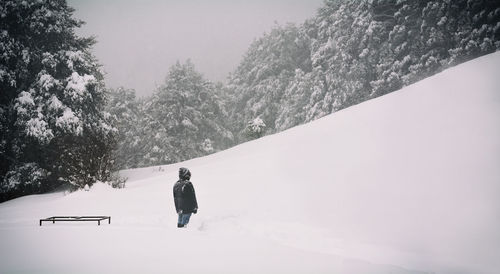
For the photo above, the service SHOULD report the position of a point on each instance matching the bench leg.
(99, 222)
(109, 220)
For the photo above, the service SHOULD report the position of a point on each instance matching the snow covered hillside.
(406, 183)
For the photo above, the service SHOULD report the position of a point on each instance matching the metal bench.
(97, 219)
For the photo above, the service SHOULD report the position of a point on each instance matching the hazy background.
(137, 41)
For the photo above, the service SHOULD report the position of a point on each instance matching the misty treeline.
(60, 126)
(350, 52)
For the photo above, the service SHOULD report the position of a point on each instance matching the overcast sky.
(137, 41)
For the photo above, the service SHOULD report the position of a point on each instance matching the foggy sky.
(137, 41)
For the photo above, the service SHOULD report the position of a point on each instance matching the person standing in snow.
(184, 197)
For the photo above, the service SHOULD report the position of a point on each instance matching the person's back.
(184, 197)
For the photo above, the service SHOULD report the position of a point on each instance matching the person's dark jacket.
(185, 197)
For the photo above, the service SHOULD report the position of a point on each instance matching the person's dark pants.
(183, 219)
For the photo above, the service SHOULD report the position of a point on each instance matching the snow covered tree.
(477, 31)
(125, 110)
(296, 97)
(54, 129)
(151, 137)
(185, 118)
(258, 84)
(341, 56)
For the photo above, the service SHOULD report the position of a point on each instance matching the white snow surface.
(405, 183)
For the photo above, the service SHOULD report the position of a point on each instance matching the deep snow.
(405, 183)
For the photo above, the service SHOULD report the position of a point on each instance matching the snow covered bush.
(24, 179)
(255, 128)
(207, 146)
(116, 181)
(51, 103)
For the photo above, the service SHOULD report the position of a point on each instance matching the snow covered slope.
(406, 183)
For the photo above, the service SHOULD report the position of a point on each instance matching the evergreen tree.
(340, 56)
(183, 119)
(477, 31)
(54, 128)
(259, 83)
(189, 110)
(125, 110)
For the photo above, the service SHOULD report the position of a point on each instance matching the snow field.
(405, 183)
